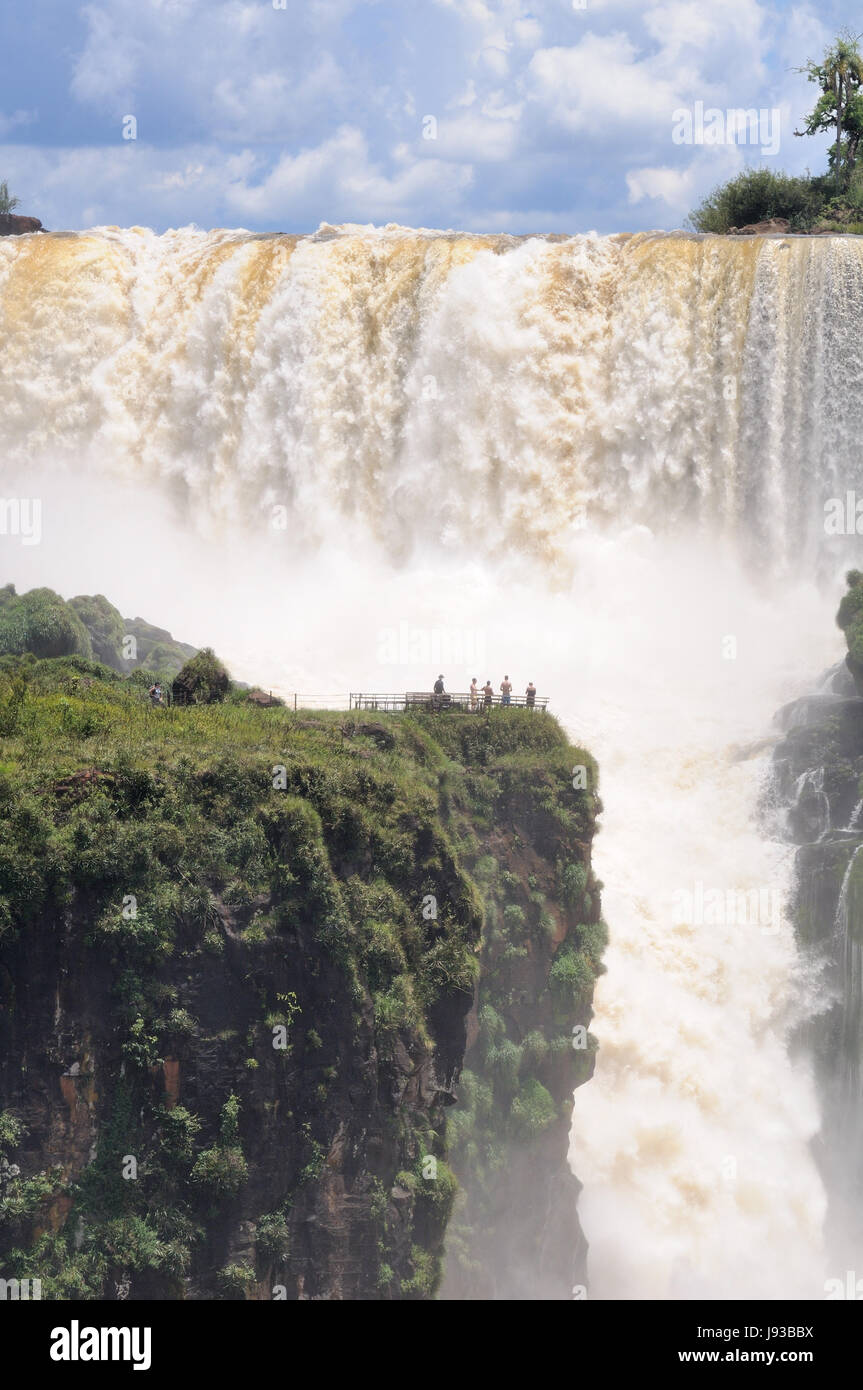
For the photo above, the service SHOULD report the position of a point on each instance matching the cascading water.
(600, 463)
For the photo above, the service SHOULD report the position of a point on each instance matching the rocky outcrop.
(773, 226)
(818, 791)
(240, 961)
(13, 225)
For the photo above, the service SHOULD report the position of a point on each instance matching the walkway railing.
(425, 700)
(398, 702)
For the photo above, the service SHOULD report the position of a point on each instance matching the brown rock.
(774, 225)
(12, 225)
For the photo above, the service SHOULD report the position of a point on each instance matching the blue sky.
(545, 115)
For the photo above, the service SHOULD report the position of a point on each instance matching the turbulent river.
(355, 459)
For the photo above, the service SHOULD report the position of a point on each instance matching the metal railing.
(427, 700)
(399, 702)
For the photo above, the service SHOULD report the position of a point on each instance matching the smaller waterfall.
(811, 802)
(854, 822)
(848, 958)
(819, 766)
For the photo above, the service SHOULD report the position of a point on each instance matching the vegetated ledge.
(240, 952)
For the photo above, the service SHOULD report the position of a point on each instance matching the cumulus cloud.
(602, 81)
(286, 118)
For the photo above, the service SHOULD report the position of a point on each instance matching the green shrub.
(105, 627)
(514, 920)
(236, 1280)
(273, 1238)
(12, 707)
(220, 1170)
(179, 1129)
(573, 881)
(203, 680)
(41, 622)
(571, 976)
(850, 620)
(230, 1120)
(12, 1132)
(755, 196)
(532, 1110)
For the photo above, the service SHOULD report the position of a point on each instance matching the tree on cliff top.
(202, 681)
(7, 202)
(840, 106)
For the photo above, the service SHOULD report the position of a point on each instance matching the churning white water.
(349, 461)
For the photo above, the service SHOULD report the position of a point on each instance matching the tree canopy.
(840, 106)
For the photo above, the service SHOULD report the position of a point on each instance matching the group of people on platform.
(482, 696)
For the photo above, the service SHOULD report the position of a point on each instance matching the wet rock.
(13, 225)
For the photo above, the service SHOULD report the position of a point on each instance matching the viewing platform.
(438, 704)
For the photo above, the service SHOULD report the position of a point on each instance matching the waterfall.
(601, 463)
(848, 956)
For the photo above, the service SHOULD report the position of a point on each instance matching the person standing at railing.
(530, 695)
(487, 694)
(474, 695)
(505, 690)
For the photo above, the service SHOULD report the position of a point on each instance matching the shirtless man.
(505, 690)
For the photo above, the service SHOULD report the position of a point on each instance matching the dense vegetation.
(42, 623)
(850, 620)
(181, 887)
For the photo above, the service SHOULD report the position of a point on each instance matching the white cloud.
(15, 120)
(355, 186)
(676, 191)
(312, 113)
(601, 82)
(672, 186)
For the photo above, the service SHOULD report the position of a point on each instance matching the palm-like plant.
(7, 202)
(840, 76)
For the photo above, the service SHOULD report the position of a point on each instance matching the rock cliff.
(242, 952)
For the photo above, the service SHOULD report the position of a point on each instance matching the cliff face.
(240, 953)
(515, 1233)
(819, 783)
